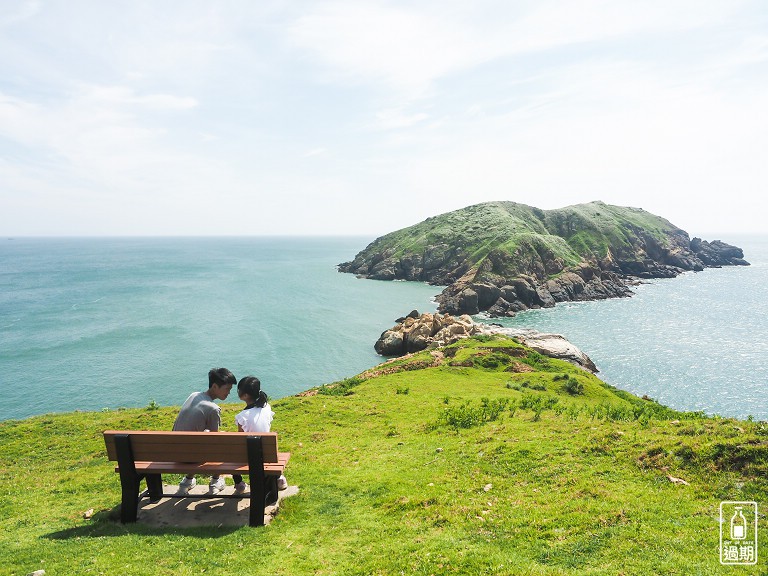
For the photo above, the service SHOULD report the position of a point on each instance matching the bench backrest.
(151, 446)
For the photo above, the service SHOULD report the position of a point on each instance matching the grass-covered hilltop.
(503, 257)
(482, 457)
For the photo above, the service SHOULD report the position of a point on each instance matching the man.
(201, 414)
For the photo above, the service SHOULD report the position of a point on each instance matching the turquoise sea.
(695, 342)
(103, 323)
(94, 323)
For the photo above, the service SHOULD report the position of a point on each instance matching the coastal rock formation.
(552, 345)
(717, 253)
(418, 332)
(504, 257)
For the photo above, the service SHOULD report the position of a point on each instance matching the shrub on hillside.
(467, 415)
(343, 388)
(491, 361)
(573, 386)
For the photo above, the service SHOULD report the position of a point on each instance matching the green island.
(482, 457)
(504, 257)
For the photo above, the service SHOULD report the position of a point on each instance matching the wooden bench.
(148, 455)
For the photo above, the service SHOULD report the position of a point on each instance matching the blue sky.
(356, 117)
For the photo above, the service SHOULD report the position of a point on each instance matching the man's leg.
(187, 484)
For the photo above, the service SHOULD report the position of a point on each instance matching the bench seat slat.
(271, 469)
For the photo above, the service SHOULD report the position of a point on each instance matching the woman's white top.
(255, 419)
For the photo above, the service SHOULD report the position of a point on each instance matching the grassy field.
(486, 458)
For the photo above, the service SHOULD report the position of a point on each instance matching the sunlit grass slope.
(580, 233)
(482, 458)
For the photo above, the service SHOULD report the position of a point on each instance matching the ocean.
(695, 342)
(103, 323)
(87, 324)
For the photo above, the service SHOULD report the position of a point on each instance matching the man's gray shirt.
(198, 414)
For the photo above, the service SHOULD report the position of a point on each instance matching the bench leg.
(155, 487)
(256, 514)
(129, 508)
(129, 479)
(256, 476)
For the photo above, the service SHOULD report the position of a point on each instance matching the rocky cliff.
(504, 257)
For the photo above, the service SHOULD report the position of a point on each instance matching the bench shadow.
(203, 517)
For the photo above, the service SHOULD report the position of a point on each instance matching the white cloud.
(392, 118)
(125, 96)
(97, 128)
(410, 47)
(315, 152)
(13, 13)
(682, 146)
(379, 43)
(360, 117)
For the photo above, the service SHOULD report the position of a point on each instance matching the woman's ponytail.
(252, 386)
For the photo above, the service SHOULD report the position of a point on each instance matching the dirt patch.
(519, 367)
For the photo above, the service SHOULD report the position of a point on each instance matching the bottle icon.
(738, 525)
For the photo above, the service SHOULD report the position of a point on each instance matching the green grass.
(471, 466)
(595, 228)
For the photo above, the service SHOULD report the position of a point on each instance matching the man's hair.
(220, 376)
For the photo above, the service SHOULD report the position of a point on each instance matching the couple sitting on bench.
(196, 446)
(201, 414)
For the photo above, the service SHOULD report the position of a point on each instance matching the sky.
(235, 117)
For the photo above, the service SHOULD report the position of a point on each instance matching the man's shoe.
(186, 485)
(216, 485)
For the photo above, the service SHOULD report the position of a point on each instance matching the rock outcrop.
(421, 331)
(717, 253)
(417, 332)
(552, 345)
(504, 257)
(585, 282)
